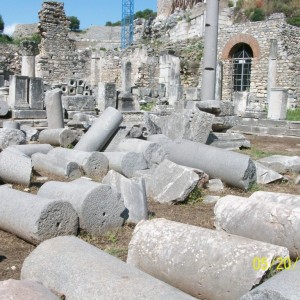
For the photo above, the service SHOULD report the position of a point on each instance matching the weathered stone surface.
(192, 125)
(74, 275)
(218, 108)
(211, 199)
(107, 96)
(78, 102)
(54, 109)
(99, 206)
(10, 137)
(126, 163)
(56, 167)
(153, 152)
(101, 131)
(172, 183)
(11, 125)
(189, 257)
(228, 140)
(36, 93)
(221, 124)
(93, 164)
(15, 167)
(24, 290)
(265, 175)
(34, 218)
(283, 286)
(215, 185)
(133, 192)
(282, 164)
(260, 221)
(31, 133)
(28, 114)
(3, 108)
(63, 137)
(29, 150)
(287, 199)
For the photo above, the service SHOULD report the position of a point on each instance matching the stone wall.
(58, 60)
(10, 59)
(164, 8)
(258, 36)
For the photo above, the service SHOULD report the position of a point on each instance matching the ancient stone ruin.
(93, 136)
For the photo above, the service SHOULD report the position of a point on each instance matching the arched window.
(242, 55)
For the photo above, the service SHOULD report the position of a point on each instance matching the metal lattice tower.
(127, 23)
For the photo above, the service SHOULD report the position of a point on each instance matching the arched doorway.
(241, 55)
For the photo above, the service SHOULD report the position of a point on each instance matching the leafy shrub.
(295, 21)
(257, 15)
(74, 23)
(230, 3)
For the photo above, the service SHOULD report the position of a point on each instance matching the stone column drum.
(54, 109)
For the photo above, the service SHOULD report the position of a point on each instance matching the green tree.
(74, 23)
(1, 24)
(145, 14)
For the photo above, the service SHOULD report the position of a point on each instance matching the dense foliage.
(74, 23)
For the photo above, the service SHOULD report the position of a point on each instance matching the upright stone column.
(210, 50)
(219, 77)
(95, 73)
(29, 51)
(126, 76)
(107, 96)
(272, 73)
(278, 104)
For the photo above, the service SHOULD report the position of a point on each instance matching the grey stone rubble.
(31, 133)
(99, 206)
(101, 131)
(55, 167)
(93, 164)
(25, 290)
(126, 163)
(69, 272)
(58, 137)
(15, 167)
(215, 185)
(211, 199)
(232, 168)
(282, 286)
(260, 221)
(228, 140)
(10, 137)
(54, 109)
(11, 125)
(153, 152)
(193, 256)
(282, 164)
(133, 192)
(35, 218)
(31, 149)
(3, 108)
(266, 175)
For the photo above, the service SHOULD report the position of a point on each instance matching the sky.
(89, 12)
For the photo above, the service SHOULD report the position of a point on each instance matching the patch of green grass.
(254, 187)
(293, 114)
(195, 196)
(147, 106)
(111, 237)
(255, 153)
(117, 252)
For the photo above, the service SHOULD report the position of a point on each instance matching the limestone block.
(133, 192)
(107, 96)
(93, 164)
(266, 221)
(211, 199)
(34, 218)
(221, 124)
(29, 150)
(266, 175)
(218, 108)
(215, 185)
(78, 102)
(54, 109)
(18, 92)
(101, 131)
(282, 286)
(153, 152)
(56, 167)
(24, 290)
(31, 133)
(63, 137)
(74, 275)
(36, 93)
(287, 199)
(3, 108)
(126, 163)
(228, 140)
(28, 114)
(189, 257)
(172, 183)
(11, 125)
(10, 137)
(15, 167)
(99, 206)
(282, 164)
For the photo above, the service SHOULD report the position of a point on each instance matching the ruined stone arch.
(241, 39)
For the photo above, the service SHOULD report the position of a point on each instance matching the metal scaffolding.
(127, 23)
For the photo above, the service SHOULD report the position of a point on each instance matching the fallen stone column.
(126, 163)
(74, 266)
(233, 168)
(93, 164)
(58, 137)
(34, 218)
(204, 263)
(101, 131)
(133, 192)
(11, 125)
(25, 290)
(265, 221)
(99, 207)
(153, 152)
(47, 165)
(15, 167)
(54, 109)
(284, 285)
(287, 199)
(10, 137)
(31, 149)
(4, 108)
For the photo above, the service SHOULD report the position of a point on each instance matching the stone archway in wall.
(227, 57)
